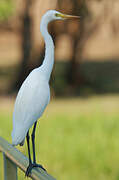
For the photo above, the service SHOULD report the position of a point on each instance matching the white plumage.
(34, 94)
(33, 97)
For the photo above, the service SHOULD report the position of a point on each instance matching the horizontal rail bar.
(21, 161)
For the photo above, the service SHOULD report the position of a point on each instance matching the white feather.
(31, 101)
(34, 94)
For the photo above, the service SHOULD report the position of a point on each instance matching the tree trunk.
(26, 46)
(74, 76)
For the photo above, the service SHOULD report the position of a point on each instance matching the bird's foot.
(31, 166)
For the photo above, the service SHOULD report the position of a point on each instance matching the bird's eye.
(57, 15)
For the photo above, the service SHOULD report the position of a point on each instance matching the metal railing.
(13, 159)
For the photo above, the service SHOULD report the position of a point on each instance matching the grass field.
(76, 139)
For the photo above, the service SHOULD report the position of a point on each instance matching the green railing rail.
(13, 159)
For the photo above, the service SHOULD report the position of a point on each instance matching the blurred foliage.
(71, 76)
(6, 9)
(99, 78)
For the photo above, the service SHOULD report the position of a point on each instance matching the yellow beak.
(65, 16)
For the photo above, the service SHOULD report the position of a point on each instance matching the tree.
(26, 35)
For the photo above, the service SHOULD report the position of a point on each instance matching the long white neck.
(48, 62)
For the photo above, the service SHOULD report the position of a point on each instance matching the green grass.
(76, 138)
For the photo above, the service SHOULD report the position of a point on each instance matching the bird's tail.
(17, 139)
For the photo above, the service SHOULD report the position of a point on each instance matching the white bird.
(34, 94)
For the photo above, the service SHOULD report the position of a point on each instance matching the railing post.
(13, 158)
(10, 169)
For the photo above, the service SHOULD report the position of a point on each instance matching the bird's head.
(55, 15)
(52, 15)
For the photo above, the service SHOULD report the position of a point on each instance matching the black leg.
(30, 161)
(33, 142)
(28, 144)
(34, 164)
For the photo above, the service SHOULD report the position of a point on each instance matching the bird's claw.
(31, 166)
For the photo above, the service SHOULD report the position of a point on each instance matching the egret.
(34, 94)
